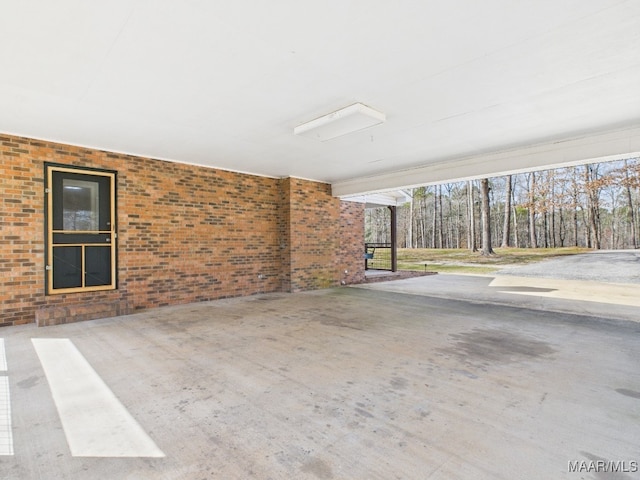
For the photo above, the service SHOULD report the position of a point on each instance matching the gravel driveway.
(613, 266)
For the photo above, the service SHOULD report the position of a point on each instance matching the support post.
(394, 241)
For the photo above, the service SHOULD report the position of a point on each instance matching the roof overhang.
(599, 147)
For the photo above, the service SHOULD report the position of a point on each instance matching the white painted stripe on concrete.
(6, 435)
(3, 357)
(95, 423)
(6, 432)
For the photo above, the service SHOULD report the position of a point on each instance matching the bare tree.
(575, 205)
(410, 242)
(471, 217)
(451, 221)
(592, 187)
(552, 202)
(435, 217)
(486, 217)
(506, 230)
(440, 218)
(632, 214)
(533, 239)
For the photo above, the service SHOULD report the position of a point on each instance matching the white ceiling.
(223, 83)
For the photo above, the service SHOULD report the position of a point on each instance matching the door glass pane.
(67, 262)
(80, 204)
(98, 266)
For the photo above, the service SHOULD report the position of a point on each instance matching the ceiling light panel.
(341, 122)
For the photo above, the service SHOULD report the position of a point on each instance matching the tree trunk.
(516, 240)
(450, 219)
(425, 227)
(533, 239)
(589, 230)
(506, 231)
(486, 218)
(575, 208)
(593, 207)
(472, 218)
(434, 224)
(561, 232)
(632, 215)
(440, 219)
(410, 232)
(457, 223)
(553, 210)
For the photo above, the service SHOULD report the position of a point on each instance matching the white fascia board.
(381, 199)
(597, 147)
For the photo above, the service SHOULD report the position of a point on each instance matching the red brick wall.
(193, 234)
(323, 237)
(285, 234)
(21, 233)
(185, 234)
(313, 228)
(350, 256)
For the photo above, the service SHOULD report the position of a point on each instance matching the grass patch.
(465, 261)
(442, 268)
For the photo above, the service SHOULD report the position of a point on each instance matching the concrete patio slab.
(345, 383)
(597, 299)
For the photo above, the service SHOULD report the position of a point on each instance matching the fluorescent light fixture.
(346, 120)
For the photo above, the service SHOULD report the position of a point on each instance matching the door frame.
(81, 239)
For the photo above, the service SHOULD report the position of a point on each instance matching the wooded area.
(593, 206)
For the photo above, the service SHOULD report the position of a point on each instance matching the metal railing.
(377, 256)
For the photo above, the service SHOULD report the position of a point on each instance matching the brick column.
(309, 236)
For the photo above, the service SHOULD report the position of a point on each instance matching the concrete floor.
(346, 383)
